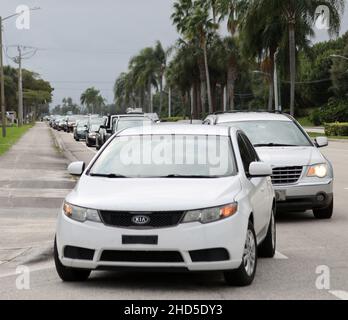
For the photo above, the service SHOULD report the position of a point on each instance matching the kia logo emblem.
(140, 220)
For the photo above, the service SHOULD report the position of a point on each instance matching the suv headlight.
(318, 170)
(80, 214)
(211, 214)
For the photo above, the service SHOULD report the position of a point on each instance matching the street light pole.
(338, 56)
(276, 87)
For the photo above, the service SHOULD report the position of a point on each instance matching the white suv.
(182, 197)
(302, 176)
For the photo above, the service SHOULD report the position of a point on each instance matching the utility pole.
(20, 88)
(23, 53)
(2, 100)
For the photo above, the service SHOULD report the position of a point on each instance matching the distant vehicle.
(302, 177)
(92, 129)
(80, 129)
(178, 213)
(119, 122)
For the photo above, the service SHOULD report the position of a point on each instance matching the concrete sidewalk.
(33, 184)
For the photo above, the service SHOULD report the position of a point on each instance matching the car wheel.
(69, 274)
(77, 139)
(267, 248)
(245, 274)
(87, 143)
(325, 213)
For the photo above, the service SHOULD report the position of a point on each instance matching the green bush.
(336, 129)
(172, 119)
(335, 111)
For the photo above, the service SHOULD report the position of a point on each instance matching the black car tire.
(240, 277)
(69, 274)
(324, 213)
(267, 248)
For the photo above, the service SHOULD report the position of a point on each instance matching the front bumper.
(305, 196)
(228, 235)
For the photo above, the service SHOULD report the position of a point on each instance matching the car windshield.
(272, 133)
(124, 123)
(166, 156)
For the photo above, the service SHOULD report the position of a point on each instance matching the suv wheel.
(325, 213)
(245, 274)
(69, 274)
(267, 248)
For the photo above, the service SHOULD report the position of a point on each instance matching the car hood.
(153, 194)
(290, 156)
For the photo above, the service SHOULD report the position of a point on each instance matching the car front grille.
(141, 256)
(286, 175)
(124, 219)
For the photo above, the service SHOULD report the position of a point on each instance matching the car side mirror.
(321, 142)
(76, 168)
(259, 170)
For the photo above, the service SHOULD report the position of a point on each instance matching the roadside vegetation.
(13, 135)
(205, 62)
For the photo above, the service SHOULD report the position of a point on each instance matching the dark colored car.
(119, 122)
(80, 130)
(92, 130)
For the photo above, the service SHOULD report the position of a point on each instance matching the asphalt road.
(34, 181)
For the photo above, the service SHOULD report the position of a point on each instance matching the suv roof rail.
(247, 111)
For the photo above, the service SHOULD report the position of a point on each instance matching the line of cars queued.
(95, 130)
(189, 197)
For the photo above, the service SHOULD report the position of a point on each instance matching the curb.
(61, 146)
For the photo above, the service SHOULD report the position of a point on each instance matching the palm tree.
(300, 12)
(92, 99)
(192, 19)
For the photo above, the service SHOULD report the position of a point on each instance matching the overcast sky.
(86, 43)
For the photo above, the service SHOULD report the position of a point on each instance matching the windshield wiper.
(110, 175)
(180, 176)
(274, 145)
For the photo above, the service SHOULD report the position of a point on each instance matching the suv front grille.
(286, 175)
(125, 219)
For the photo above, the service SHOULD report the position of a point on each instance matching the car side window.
(251, 149)
(245, 154)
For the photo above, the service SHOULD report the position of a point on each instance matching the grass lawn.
(315, 135)
(12, 136)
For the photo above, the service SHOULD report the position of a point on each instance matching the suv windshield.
(272, 133)
(170, 156)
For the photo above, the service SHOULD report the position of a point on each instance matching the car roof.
(252, 116)
(179, 129)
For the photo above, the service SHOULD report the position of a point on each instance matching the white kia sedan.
(177, 197)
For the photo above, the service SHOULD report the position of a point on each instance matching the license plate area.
(153, 240)
(280, 195)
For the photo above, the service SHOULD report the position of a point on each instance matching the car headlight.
(211, 214)
(318, 170)
(80, 214)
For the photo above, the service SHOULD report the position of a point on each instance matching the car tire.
(87, 143)
(69, 274)
(267, 248)
(324, 213)
(77, 139)
(245, 274)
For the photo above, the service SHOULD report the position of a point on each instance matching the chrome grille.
(286, 175)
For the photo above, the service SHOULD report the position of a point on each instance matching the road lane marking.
(340, 294)
(280, 256)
